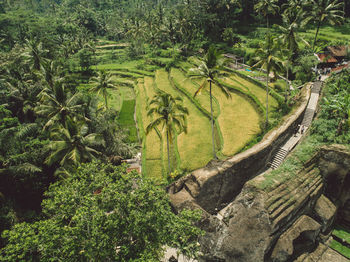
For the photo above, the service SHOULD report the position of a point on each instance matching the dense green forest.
(61, 144)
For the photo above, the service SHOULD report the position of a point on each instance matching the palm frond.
(27, 130)
(26, 168)
(223, 89)
(202, 86)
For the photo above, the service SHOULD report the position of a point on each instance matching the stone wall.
(214, 186)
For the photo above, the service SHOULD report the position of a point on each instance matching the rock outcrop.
(279, 217)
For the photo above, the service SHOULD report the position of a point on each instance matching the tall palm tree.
(286, 57)
(267, 7)
(266, 57)
(72, 144)
(209, 70)
(50, 72)
(56, 105)
(292, 22)
(294, 6)
(102, 83)
(169, 113)
(326, 11)
(35, 53)
(289, 30)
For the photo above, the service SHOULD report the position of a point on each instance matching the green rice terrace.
(238, 119)
(341, 241)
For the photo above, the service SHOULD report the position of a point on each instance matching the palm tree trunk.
(105, 97)
(267, 99)
(167, 147)
(287, 81)
(317, 30)
(212, 120)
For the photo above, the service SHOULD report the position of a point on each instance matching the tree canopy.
(102, 213)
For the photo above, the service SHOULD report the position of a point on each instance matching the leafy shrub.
(135, 49)
(255, 43)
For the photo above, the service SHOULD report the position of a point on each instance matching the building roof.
(341, 67)
(325, 58)
(338, 50)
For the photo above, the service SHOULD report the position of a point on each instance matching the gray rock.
(325, 211)
(305, 229)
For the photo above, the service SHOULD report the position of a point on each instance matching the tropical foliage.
(209, 72)
(103, 213)
(267, 59)
(169, 113)
(326, 11)
(333, 125)
(102, 83)
(51, 124)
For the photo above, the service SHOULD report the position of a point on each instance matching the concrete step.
(278, 158)
(316, 88)
(308, 116)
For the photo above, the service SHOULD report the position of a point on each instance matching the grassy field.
(191, 86)
(237, 120)
(255, 90)
(152, 143)
(126, 119)
(345, 251)
(116, 66)
(344, 235)
(329, 33)
(198, 130)
(236, 133)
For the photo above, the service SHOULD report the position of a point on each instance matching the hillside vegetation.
(87, 85)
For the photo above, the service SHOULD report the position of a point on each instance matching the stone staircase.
(305, 124)
(279, 157)
(308, 116)
(316, 88)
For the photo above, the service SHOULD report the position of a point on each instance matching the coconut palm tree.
(209, 70)
(266, 57)
(289, 30)
(169, 113)
(326, 11)
(50, 72)
(267, 7)
(102, 83)
(72, 144)
(289, 37)
(56, 105)
(294, 6)
(35, 53)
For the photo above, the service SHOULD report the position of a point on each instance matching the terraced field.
(237, 119)
(341, 241)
